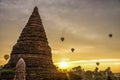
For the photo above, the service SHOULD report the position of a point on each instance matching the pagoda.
(33, 47)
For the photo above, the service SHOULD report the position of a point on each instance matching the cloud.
(82, 22)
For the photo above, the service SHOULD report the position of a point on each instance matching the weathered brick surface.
(33, 47)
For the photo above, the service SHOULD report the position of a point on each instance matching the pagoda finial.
(35, 8)
(35, 17)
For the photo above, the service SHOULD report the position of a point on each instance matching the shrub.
(7, 74)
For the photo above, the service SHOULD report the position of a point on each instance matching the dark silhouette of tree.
(109, 78)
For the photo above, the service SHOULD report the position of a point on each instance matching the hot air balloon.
(62, 39)
(110, 35)
(97, 63)
(6, 57)
(72, 49)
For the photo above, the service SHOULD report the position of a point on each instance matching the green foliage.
(74, 76)
(1, 66)
(7, 73)
(99, 78)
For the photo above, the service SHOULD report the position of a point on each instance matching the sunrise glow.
(63, 65)
(91, 64)
(84, 24)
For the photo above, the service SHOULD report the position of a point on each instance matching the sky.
(85, 25)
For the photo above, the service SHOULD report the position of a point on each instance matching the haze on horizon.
(85, 24)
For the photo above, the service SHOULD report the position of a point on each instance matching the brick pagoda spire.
(33, 47)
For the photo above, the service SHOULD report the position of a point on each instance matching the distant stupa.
(20, 71)
(33, 47)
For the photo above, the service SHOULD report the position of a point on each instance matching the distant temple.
(20, 71)
(33, 47)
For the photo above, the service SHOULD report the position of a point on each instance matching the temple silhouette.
(32, 46)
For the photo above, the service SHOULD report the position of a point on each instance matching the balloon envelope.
(72, 49)
(97, 63)
(6, 57)
(62, 39)
(110, 35)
